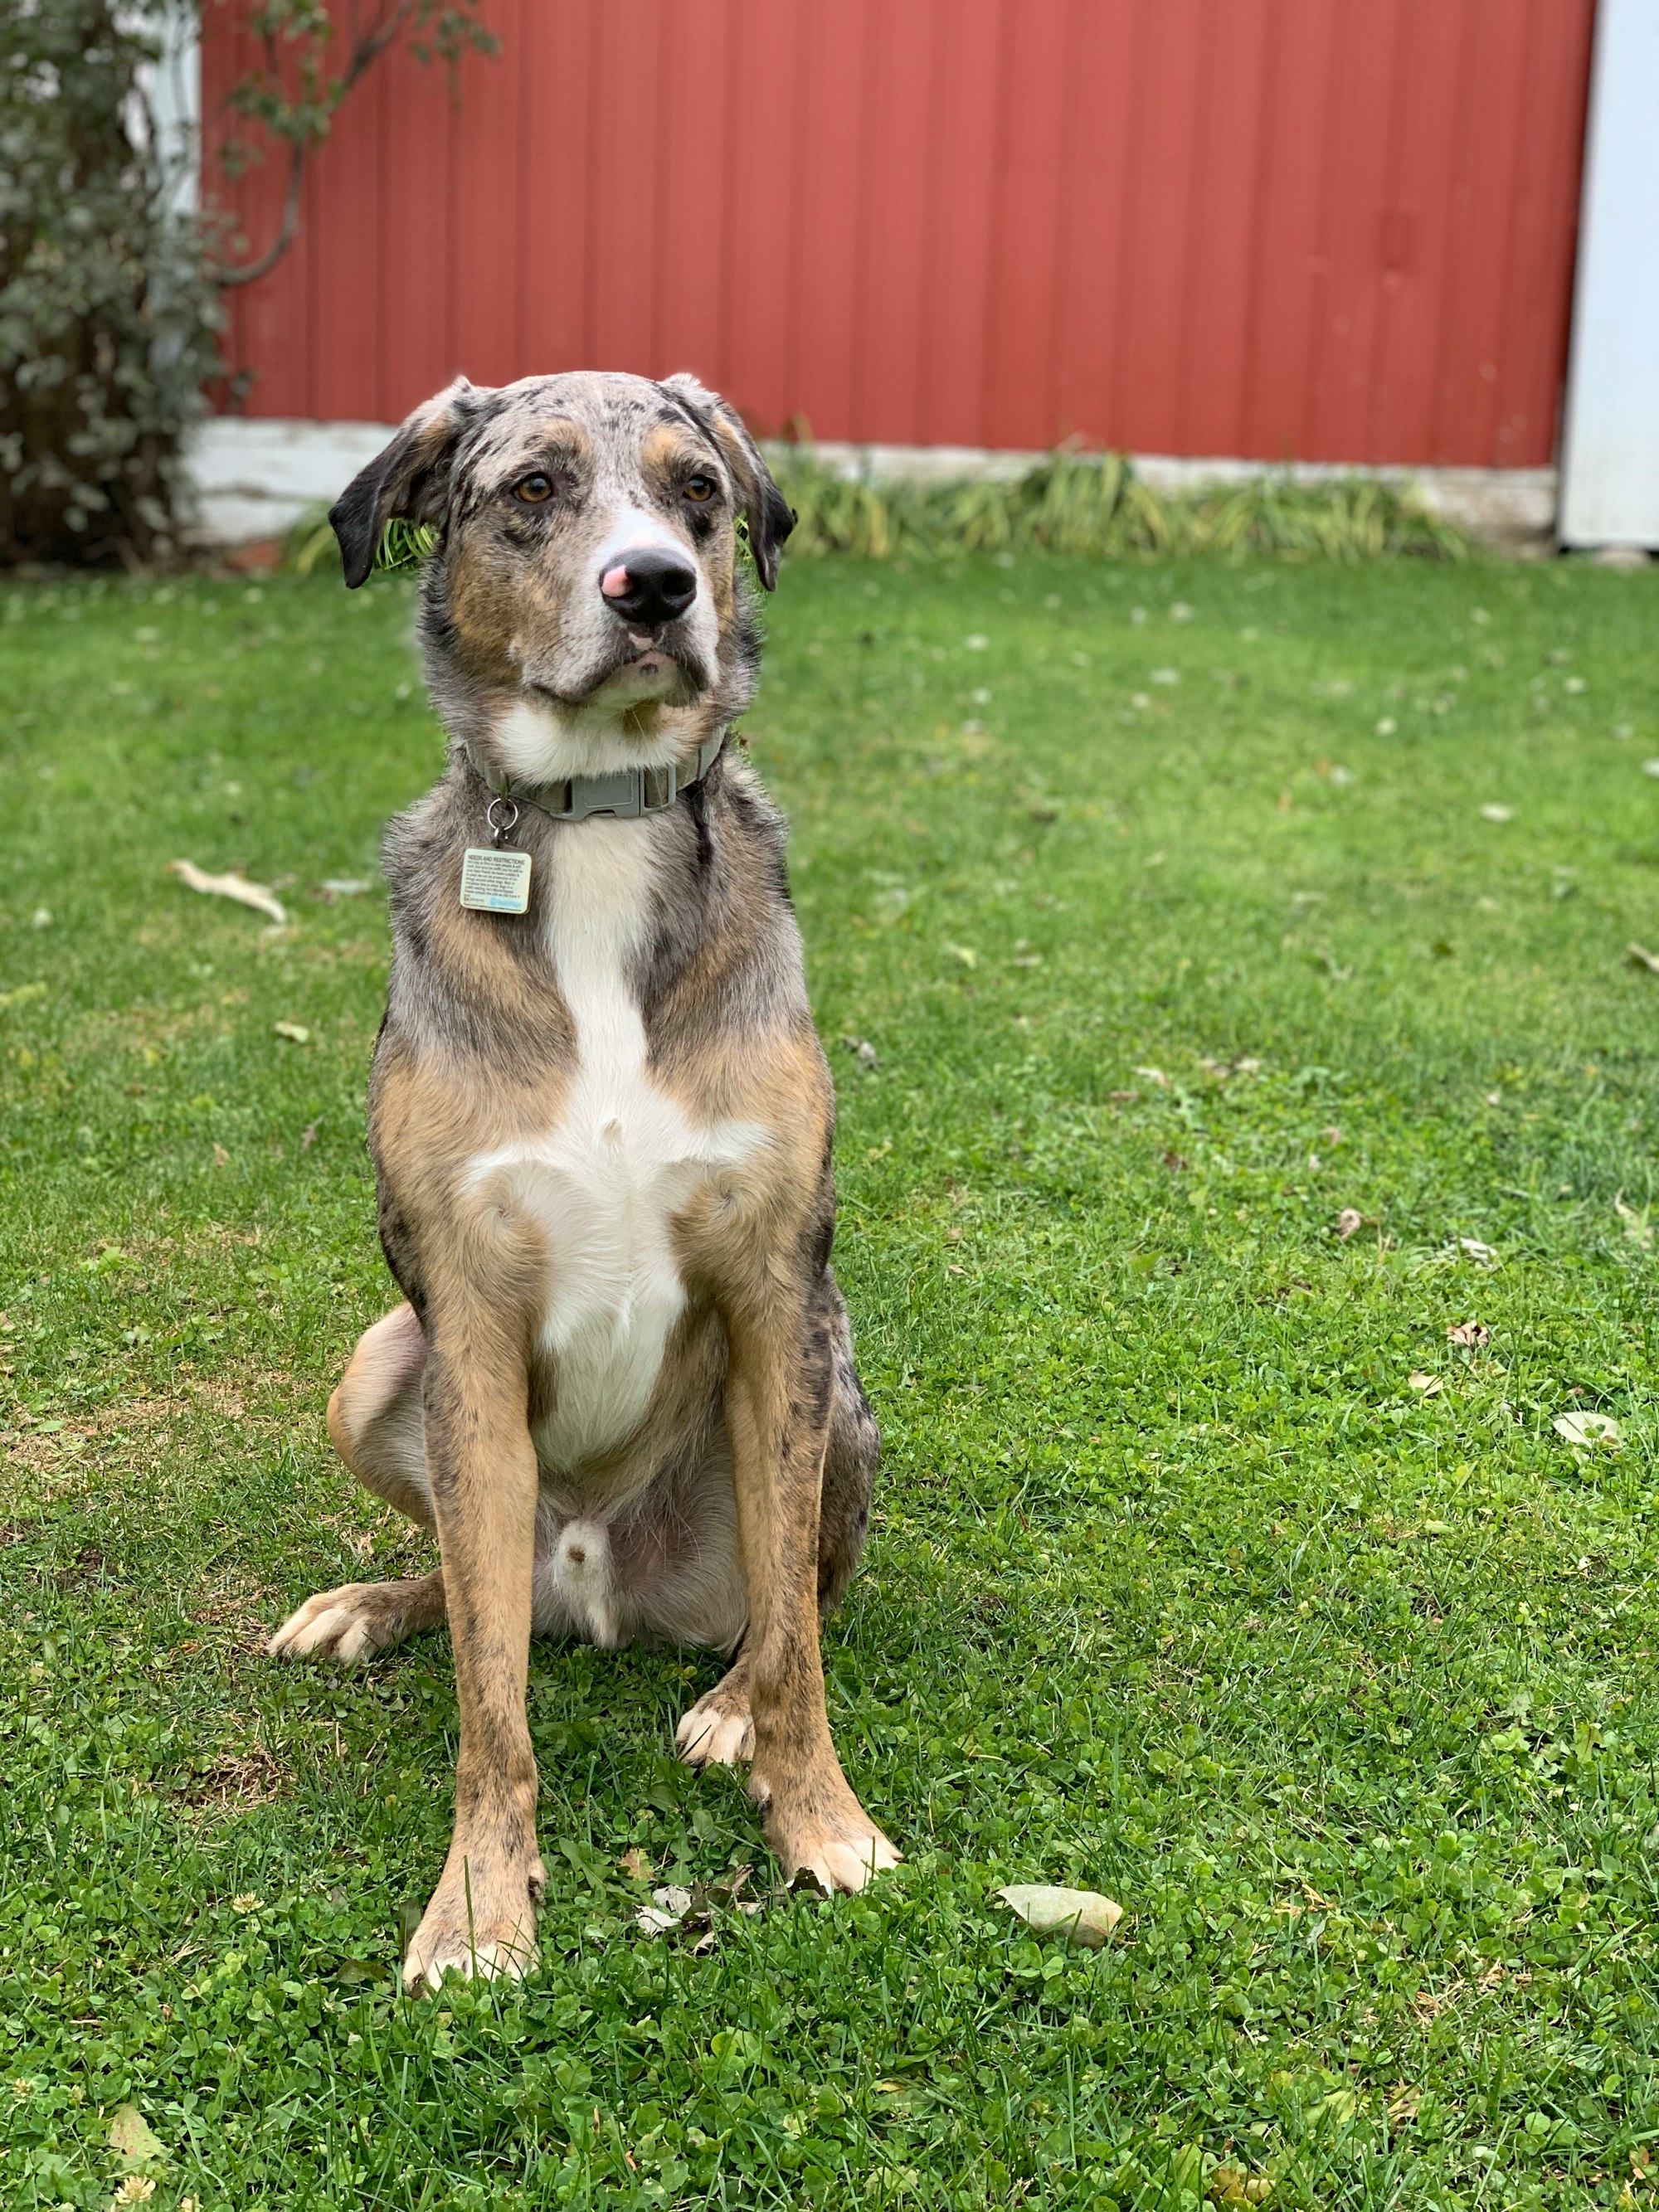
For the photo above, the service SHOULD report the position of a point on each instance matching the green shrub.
(1071, 502)
(108, 321)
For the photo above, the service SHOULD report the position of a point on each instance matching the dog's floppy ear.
(769, 514)
(409, 479)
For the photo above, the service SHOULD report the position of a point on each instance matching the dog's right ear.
(408, 480)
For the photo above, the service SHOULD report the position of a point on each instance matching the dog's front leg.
(482, 1469)
(777, 1393)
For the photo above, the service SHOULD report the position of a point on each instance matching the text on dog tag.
(494, 880)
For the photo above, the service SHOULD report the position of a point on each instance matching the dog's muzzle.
(633, 655)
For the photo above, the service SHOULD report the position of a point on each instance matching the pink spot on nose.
(614, 582)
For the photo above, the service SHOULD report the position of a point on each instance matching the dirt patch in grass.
(234, 1784)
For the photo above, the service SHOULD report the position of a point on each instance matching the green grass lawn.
(1165, 897)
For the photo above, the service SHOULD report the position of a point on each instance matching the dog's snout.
(649, 588)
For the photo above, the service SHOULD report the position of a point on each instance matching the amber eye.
(533, 489)
(700, 490)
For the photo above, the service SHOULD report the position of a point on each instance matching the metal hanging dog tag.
(494, 879)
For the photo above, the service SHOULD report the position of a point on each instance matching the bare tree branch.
(228, 278)
(305, 121)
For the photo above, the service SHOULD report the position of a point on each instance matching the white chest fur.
(606, 1183)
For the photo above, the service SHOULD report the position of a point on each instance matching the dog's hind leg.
(374, 1419)
(851, 1456)
(375, 1424)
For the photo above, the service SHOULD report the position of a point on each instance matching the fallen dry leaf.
(1470, 1334)
(132, 2137)
(1082, 1915)
(1154, 1075)
(657, 1919)
(230, 885)
(964, 953)
(1348, 1222)
(1638, 1226)
(675, 1911)
(635, 1865)
(667, 1908)
(1498, 813)
(354, 1973)
(295, 1032)
(1587, 1429)
(1482, 1254)
(1430, 1385)
(1403, 2101)
(1639, 956)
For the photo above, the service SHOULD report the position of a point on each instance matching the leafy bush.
(108, 320)
(1071, 502)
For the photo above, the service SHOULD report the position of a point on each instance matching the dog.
(620, 1388)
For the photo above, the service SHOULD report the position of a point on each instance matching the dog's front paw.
(482, 1921)
(816, 1826)
(359, 1620)
(719, 1729)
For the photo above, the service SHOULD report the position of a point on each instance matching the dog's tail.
(583, 1582)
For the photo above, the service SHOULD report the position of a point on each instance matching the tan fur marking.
(666, 452)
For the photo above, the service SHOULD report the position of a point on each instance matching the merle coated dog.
(620, 1388)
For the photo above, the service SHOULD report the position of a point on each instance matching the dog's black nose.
(649, 588)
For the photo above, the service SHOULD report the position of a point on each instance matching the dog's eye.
(533, 489)
(700, 490)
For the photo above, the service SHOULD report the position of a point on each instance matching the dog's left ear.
(769, 514)
(410, 479)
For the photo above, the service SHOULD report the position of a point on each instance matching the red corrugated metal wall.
(1331, 229)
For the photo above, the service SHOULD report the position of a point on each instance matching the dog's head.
(585, 607)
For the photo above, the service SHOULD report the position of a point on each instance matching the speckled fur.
(735, 1507)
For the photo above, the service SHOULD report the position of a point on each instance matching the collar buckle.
(624, 793)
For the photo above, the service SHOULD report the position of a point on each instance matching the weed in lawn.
(1195, 1093)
